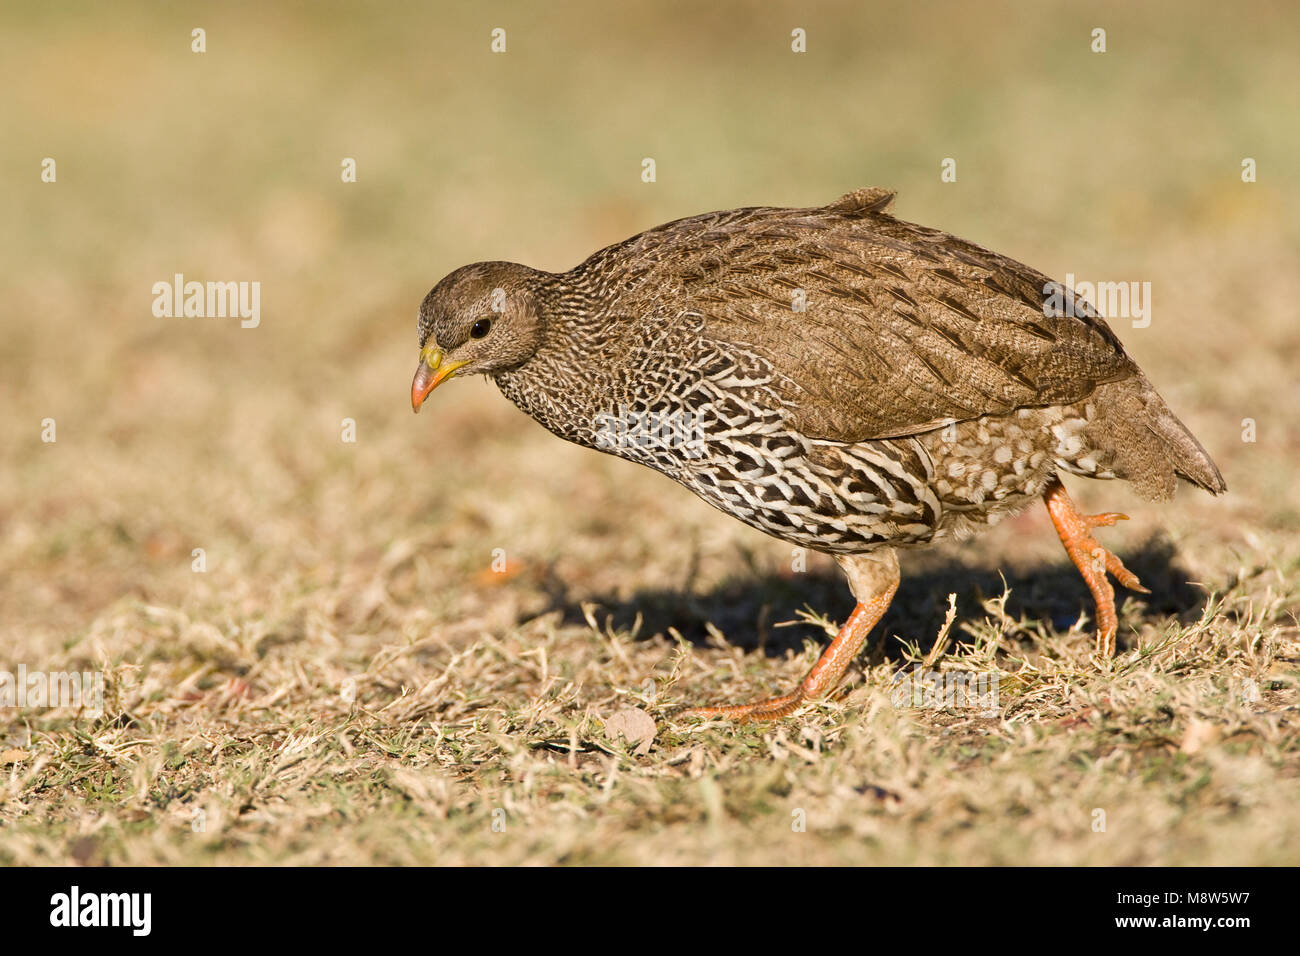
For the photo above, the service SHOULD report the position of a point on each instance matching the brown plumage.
(838, 378)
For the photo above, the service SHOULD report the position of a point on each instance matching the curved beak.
(433, 371)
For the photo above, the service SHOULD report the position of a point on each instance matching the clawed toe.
(1092, 560)
(1123, 575)
(1104, 520)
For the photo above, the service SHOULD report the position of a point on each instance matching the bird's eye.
(480, 328)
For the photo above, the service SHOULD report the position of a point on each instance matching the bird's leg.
(874, 579)
(1092, 560)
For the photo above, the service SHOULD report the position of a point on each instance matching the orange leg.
(874, 581)
(1092, 560)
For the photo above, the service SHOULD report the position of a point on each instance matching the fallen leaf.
(633, 725)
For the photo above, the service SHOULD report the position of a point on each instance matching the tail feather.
(1190, 459)
(1151, 448)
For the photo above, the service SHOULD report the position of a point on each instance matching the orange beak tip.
(430, 376)
(424, 382)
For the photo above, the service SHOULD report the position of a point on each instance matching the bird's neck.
(600, 369)
(566, 385)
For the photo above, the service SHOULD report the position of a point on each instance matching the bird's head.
(479, 320)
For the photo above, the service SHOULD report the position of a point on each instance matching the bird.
(836, 377)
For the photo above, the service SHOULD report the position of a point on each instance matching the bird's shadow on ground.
(745, 609)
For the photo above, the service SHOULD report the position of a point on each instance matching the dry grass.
(351, 682)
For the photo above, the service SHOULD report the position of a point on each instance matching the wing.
(875, 327)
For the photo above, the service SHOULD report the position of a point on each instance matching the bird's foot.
(1092, 560)
(873, 579)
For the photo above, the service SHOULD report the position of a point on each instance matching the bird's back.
(840, 378)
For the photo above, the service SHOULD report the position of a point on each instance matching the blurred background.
(176, 433)
(183, 433)
(225, 165)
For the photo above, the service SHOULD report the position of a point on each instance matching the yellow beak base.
(431, 373)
